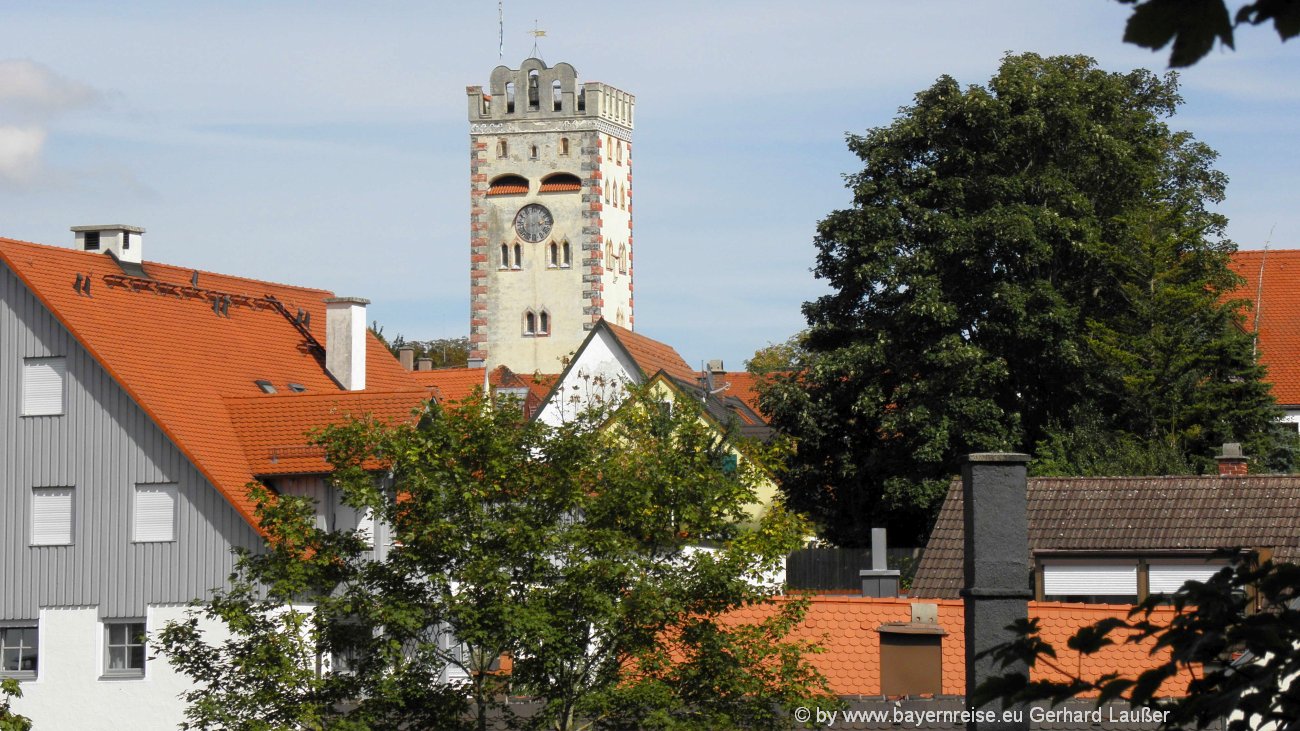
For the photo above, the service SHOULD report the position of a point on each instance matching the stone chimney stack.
(345, 341)
(879, 581)
(406, 356)
(1232, 463)
(996, 586)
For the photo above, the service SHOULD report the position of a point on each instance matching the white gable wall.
(600, 372)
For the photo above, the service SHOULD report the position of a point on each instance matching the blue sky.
(326, 143)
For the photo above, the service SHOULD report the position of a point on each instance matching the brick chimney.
(1232, 463)
(345, 341)
(406, 356)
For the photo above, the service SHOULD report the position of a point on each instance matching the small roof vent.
(125, 243)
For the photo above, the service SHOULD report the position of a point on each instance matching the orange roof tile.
(846, 628)
(1277, 316)
(451, 384)
(653, 356)
(162, 343)
(273, 428)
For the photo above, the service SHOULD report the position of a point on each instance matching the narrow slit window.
(530, 323)
(544, 323)
(565, 261)
(519, 257)
(554, 260)
(503, 148)
(557, 100)
(505, 257)
(564, 144)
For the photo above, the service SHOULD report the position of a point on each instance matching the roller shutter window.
(1166, 576)
(155, 513)
(43, 386)
(1090, 580)
(52, 516)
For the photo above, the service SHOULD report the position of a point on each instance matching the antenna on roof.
(1259, 293)
(501, 31)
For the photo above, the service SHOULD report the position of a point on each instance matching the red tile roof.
(274, 428)
(652, 356)
(1276, 318)
(846, 628)
(451, 384)
(179, 361)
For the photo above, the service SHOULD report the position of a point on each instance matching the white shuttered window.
(1090, 578)
(52, 516)
(1168, 576)
(43, 386)
(155, 513)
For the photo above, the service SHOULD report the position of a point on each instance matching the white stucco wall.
(68, 692)
(598, 373)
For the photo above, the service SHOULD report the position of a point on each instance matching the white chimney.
(125, 242)
(345, 341)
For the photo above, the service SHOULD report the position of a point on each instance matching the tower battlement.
(535, 92)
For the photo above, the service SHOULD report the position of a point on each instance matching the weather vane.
(537, 33)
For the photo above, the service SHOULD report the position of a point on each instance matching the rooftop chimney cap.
(715, 366)
(108, 227)
(1232, 450)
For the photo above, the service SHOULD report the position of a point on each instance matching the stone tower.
(550, 214)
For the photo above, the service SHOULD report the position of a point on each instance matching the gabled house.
(137, 402)
(1118, 539)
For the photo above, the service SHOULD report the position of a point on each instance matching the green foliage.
(565, 551)
(1194, 25)
(444, 352)
(776, 357)
(10, 721)
(1032, 263)
(1238, 660)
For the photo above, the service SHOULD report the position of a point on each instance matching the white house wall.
(72, 640)
(600, 371)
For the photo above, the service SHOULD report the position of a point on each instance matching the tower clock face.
(533, 222)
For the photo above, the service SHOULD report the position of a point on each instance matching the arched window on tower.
(565, 257)
(619, 147)
(534, 93)
(510, 98)
(564, 143)
(557, 99)
(505, 257)
(622, 258)
(609, 256)
(530, 323)
(607, 191)
(502, 148)
(519, 257)
(532, 152)
(553, 258)
(544, 323)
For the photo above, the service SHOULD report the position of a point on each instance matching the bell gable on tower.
(550, 214)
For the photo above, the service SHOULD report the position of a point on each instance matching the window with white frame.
(154, 513)
(19, 650)
(52, 516)
(43, 386)
(124, 645)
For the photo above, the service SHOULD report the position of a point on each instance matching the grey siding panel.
(103, 446)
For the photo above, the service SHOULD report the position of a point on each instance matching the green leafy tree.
(444, 352)
(550, 563)
(776, 357)
(1019, 256)
(10, 721)
(1241, 662)
(1194, 25)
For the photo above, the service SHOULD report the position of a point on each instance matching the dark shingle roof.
(1137, 514)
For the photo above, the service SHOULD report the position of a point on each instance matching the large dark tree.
(1030, 261)
(1192, 26)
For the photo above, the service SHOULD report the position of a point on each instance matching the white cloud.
(29, 90)
(20, 153)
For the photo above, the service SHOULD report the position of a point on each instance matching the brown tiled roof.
(274, 427)
(1131, 514)
(846, 628)
(1277, 317)
(652, 356)
(162, 343)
